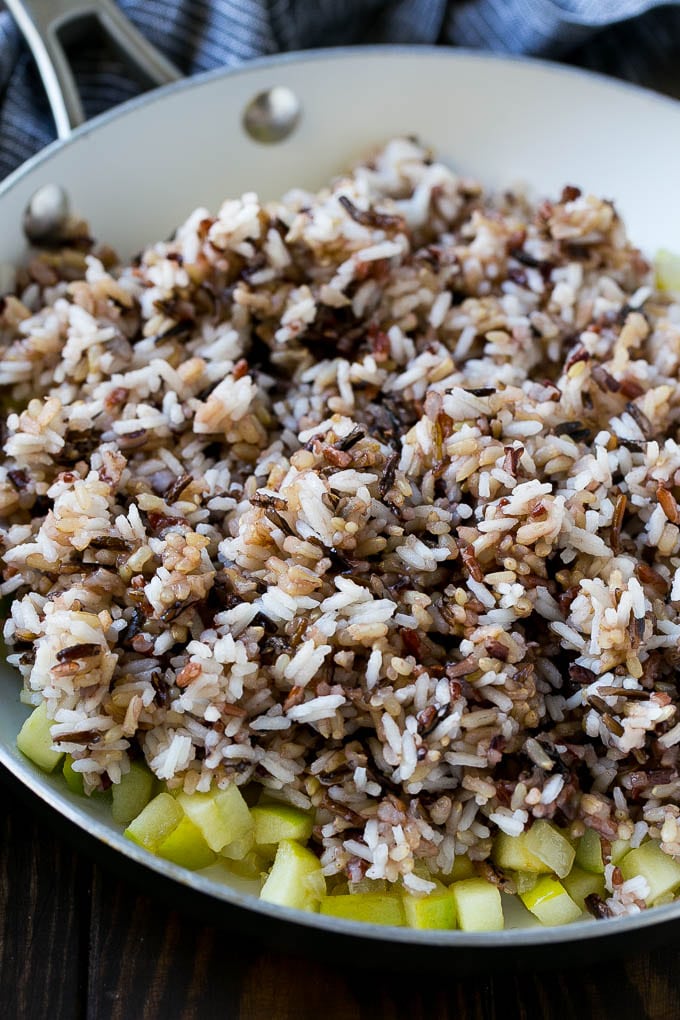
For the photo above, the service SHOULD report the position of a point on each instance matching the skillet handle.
(45, 23)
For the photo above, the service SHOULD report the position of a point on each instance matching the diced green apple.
(251, 865)
(661, 871)
(223, 817)
(296, 879)
(35, 742)
(186, 846)
(462, 868)
(132, 793)
(512, 853)
(374, 908)
(668, 897)
(163, 829)
(619, 849)
(589, 852)
(74, 780)
(241, 847)
(667, 270)
(371, 885)
(550, 902)
(546, 842)
(274, 822)
(438, 910)
(155, 823)
(580, 883)
(478, 905)
(524, 880)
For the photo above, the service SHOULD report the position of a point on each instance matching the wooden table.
(76, 942)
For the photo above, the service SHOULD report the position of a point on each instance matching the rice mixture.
(367, 497)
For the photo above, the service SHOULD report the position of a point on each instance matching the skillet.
(137, 172)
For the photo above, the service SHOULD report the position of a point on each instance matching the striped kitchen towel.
(634, 39)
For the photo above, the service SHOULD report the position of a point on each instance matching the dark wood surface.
(78, 942)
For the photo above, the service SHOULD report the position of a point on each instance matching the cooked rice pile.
(366, 497)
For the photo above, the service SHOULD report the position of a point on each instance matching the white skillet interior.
(137, 173)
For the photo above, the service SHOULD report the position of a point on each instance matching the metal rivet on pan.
(46, 214)
(272, 115)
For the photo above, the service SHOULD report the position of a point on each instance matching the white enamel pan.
(136, 173)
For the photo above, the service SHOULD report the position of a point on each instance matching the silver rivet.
(46, 214)
(272, 115)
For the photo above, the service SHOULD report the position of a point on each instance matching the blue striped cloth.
(634, 39)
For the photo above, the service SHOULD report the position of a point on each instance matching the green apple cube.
(35, 741)
(620, 848)
(251, 865)
(550, 902)
(512, 853)
(546, 842)
(524, 880)
(372, 885)
(274, 822)
(155, 823)
(580, 883)
(241, 847)
(661, 871)
(667, 270)
(222, 816)
(132, 793)
(296, 879)
(589, 852)
(438, 910)
(462, 868)
(668, 897)
(478, 905)
(372, 908)
(186, 846)
(74, 780)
